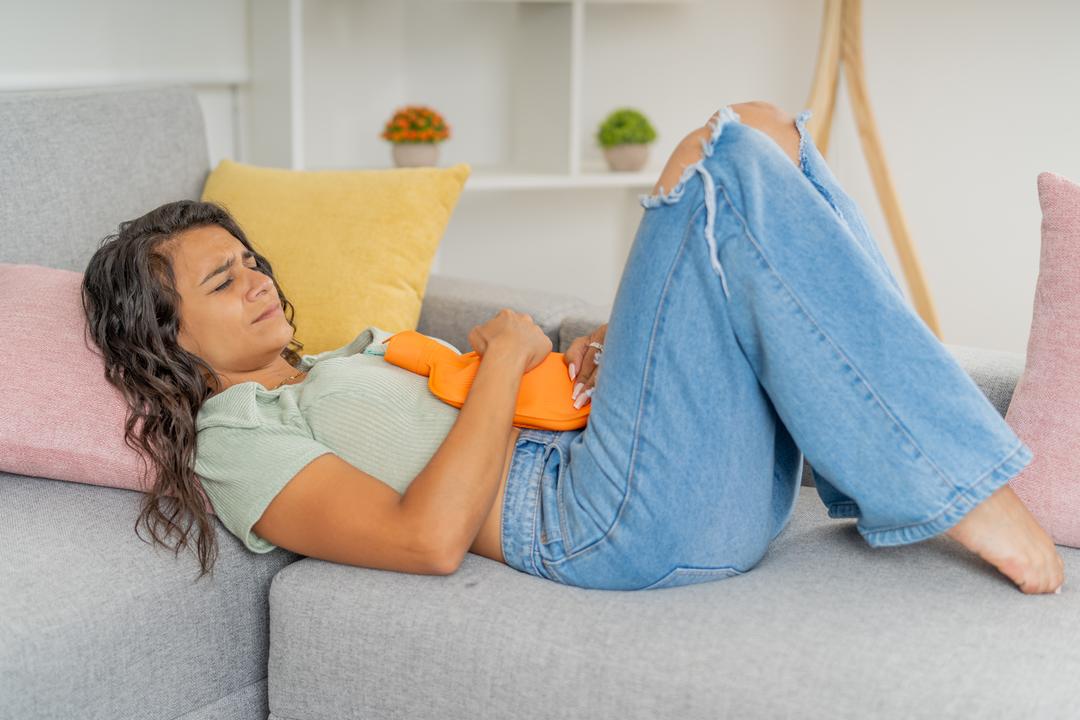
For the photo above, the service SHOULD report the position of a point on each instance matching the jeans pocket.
(686, 575)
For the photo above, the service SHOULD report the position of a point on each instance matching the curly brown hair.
(132, 307)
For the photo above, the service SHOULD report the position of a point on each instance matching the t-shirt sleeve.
(243, 469)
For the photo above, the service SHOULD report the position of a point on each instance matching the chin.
(287, 332)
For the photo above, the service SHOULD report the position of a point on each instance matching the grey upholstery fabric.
(579, 324)
(247, 702)
(823, 627)
(453, 306)
(77, 162)
(95, 622)
(996, 372)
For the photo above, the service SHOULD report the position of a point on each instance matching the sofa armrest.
(581, 322)
(996, 372)
(453, 306)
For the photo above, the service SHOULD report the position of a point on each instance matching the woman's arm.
(454, 492)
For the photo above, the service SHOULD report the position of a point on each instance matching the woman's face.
(219, 305)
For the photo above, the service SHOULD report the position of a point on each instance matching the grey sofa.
(95, 623)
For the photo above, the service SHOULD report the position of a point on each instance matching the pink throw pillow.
(59, 417)
(1045, 407)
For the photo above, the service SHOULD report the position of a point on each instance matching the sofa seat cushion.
(96, 623)
(823, 626)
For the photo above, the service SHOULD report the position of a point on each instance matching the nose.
(262, 282)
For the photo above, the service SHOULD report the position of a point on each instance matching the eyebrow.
(225, 266)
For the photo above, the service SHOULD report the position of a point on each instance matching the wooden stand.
(841, 42)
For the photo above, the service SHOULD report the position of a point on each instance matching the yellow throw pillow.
(349, 248)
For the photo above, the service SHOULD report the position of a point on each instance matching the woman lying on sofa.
(755, 321)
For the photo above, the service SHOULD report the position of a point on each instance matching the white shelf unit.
(507, 75)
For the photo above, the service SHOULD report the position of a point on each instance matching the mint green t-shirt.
(376, 416)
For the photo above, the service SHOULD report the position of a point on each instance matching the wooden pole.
(823, 91)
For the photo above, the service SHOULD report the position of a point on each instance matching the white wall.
(78, 43)
(973, 99)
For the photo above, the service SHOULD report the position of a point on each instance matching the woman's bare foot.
(1002, 531)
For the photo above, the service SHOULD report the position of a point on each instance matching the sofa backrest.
(77, 162)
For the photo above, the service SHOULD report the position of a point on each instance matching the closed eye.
(228, 282)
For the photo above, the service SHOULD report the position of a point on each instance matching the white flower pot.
(415, 154)
(627, 157)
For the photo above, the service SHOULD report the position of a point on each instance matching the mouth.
(270, 312)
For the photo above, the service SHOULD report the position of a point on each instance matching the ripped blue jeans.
(755, 321)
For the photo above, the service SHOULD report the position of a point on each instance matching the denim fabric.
(755, 321)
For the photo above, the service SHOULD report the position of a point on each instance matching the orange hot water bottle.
(543, 400)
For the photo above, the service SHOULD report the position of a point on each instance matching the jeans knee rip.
(725, 115)
(804, 163)
(800, 125)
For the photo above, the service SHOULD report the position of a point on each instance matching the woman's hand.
(582, 366)
(517, 333)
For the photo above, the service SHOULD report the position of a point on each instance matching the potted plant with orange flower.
(414, 132)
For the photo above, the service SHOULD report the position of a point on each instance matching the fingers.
(477, 341)
(586, 379)
(574, 355)
(582, 366)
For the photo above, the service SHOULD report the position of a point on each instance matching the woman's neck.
(272, 379)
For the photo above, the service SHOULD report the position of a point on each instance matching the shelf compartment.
(498, 72)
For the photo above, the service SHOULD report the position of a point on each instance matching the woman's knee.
(686, 153)
(763, 116)
(774, 122)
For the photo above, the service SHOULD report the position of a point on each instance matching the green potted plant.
(414, 132)
(625, 135)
